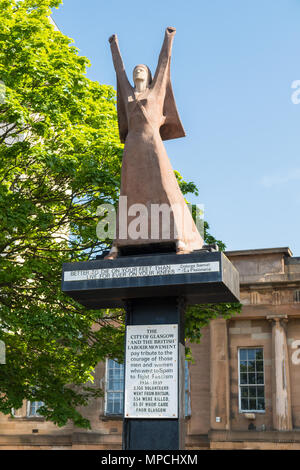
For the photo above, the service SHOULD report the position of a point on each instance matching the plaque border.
(176, 354)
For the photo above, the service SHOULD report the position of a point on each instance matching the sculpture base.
(200, 277)
(153, 289)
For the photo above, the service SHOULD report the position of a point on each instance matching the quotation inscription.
(141, 271)
(151, 371)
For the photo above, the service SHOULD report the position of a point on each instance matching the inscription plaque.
(151, 377)
(142, 271)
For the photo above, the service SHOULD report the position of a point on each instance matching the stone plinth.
(199, 277)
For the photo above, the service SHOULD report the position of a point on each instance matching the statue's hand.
(170, 30)
(112, 38)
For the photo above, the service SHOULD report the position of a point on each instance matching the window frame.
(296, 296)
(107, 390)
(242, 411)
(36, 415)
(187, 391)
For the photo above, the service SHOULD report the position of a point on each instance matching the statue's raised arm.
(124, 88)
(161, 85)
(163, 67)
(118, 62)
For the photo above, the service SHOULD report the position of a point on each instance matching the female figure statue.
(147, 115)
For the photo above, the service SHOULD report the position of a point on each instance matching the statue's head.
(142, 73)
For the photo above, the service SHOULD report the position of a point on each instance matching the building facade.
(242, 390)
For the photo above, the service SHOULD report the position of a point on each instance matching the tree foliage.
(60, 158)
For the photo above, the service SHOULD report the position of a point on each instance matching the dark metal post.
(165, 433)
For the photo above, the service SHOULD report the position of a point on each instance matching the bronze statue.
(147, 115)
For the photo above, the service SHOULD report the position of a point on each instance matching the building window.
(33, 407)
(297, 296)
(251, 380)
(114, 388)
(187, 387)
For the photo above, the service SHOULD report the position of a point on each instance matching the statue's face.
(140, 73)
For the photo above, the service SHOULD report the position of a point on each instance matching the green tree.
(60, 158)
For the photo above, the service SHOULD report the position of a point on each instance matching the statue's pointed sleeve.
(172, 127)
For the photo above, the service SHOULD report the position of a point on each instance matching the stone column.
(219, 376)
(281, 390)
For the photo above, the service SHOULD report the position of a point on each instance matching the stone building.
(242, 391)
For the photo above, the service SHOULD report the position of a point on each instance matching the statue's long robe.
(147, 176)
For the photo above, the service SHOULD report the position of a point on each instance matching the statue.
(147, 115)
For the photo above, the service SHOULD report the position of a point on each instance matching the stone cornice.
(284, 284)
(260, 251)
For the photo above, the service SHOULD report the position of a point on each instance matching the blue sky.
(232, 69)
